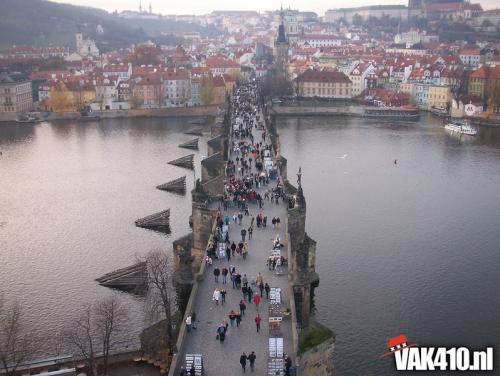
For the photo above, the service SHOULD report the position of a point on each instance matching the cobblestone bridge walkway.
(223, 359)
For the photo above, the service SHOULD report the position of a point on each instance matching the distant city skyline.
(198, 7)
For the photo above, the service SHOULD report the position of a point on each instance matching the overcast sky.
(206, 6)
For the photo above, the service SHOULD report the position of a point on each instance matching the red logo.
(397, 343)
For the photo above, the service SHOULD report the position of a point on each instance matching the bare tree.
(81, 336)
(17, 342)
(160, 288)
(110, 318)
(95, 330)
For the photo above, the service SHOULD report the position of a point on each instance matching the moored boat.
(461, 127)
(28, 119)
(439, 111)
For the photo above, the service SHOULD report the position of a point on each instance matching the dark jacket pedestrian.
(251, 359)
(261, 288)
(243, 361)
(242, 307)
(223, 296)
(243, 234)
(192, 371)
(216, 274)
(249, 294)
(267, 288)
(224, 275)
(238, 318)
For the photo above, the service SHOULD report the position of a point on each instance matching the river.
(69, 196)
(408, 248)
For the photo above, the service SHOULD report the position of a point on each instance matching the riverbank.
(357, 111)
(187, 112)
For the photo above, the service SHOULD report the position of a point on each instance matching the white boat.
(439, 111)
(462, 127)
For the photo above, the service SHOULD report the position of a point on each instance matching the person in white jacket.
(216, 296)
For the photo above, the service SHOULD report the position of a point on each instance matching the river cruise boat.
(28, 119)
(461, 127)
(439, 111)
(405, 113)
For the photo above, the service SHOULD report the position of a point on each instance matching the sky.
(206, 6)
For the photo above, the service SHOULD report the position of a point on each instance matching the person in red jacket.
(258, 319)
(256, 301)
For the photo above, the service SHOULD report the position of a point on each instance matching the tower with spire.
(281, 46)
(150, 9)
(140, 7)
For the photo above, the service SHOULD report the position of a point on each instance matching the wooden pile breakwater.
(194, 132)
(186, 162)
(132, 278)
(158, 221)
(193, 144)
(177, 186)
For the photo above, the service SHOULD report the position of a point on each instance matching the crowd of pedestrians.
(249, 188)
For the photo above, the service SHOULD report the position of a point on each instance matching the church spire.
(150, 9)
(140, 7)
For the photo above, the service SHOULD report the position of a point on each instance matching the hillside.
(44, 23)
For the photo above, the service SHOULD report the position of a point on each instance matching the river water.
(69, 196)
(408, 248)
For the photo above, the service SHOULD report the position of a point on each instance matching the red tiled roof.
(220, 62)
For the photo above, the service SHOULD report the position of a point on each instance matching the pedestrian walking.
(261, 288)
(188, 323)
(184, 371)
(245, 250)
(192, 371)
(223, 296)
(193, 320)
(250, 232)
(259, 278)
(267, 288)
(251, 358)
(216, 274)
(224, 275)
(243, 361)
(258, 319)
(216, 296)
(244, 292)
(249, 294)
(232, 318)
(221, 333)
(256, 301)
(243, 307)
(243, 234)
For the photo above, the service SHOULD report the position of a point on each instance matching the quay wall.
(188, 112)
